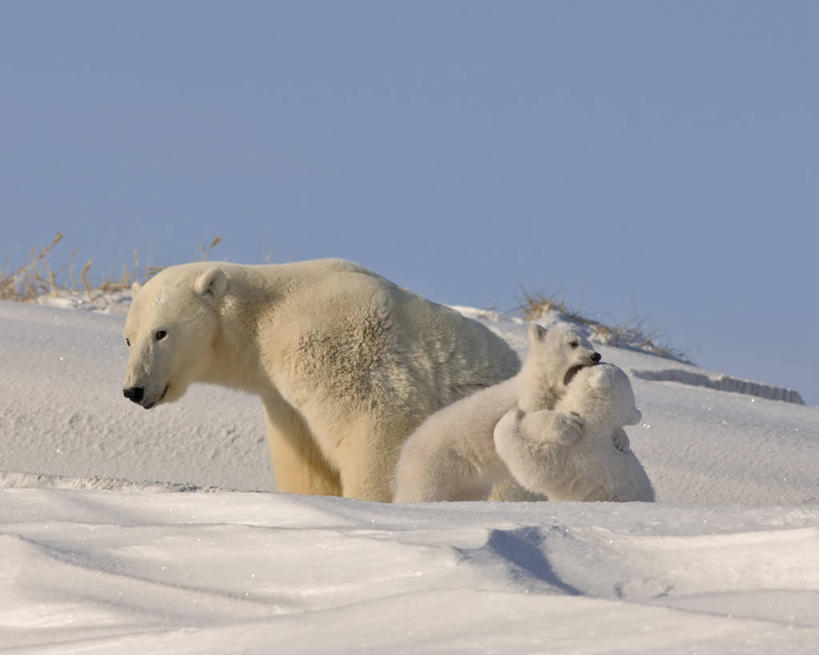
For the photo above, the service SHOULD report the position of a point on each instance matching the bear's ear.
(135, 287)
(635, 417)
(212, 283)
(536, 332)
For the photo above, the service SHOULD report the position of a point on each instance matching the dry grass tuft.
(32, 279)
(634, 335)
(203, 252)
(36, 278)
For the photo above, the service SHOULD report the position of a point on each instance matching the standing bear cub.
(346, 363)
(451, 456)
(567, 454)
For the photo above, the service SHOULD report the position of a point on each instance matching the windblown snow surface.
(126, 531)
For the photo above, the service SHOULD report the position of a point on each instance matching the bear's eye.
(160, 335)
(127, 342)
(574, 344)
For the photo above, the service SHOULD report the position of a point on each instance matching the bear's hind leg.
(366, 475)
(438, 476)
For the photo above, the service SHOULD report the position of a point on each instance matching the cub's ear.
(635, 417)
(135, 287)
(536, 332)
(211, 283)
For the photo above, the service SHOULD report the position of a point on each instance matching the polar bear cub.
(567, 454)
(451, 456)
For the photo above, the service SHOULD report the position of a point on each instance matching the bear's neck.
(536, 390)
(236, 358)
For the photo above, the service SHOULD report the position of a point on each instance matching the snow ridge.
(721, 383)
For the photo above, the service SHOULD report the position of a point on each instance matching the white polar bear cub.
(451, 456)
(575, 460)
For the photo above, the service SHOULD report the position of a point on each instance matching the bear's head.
(559, 352)
(603, 397)
(169, 330)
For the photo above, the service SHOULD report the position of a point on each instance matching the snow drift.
(101, 553)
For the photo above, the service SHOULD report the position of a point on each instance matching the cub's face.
(561, 352)
(169, 331)
(609, 390)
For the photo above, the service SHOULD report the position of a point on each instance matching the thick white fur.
(451, 456)
(346, 363)
(567, 453)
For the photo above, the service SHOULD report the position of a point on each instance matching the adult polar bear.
(347, 364)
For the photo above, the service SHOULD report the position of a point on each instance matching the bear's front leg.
(530, 447)
(298, 465)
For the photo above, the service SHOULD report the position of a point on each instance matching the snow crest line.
(721, 383)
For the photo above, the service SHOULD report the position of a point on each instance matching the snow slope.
(111, 544)
(62, 410)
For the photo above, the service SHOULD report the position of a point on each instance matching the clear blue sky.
(642, 159)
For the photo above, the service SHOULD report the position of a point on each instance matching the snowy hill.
(110, 544)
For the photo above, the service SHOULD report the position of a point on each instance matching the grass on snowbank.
(633, 334)
(36, 277)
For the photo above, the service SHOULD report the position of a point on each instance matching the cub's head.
(559, 353)
(169, 330)
(603, 394)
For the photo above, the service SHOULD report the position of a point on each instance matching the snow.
(130, 531)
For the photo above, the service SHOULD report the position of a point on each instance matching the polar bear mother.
(346, 363)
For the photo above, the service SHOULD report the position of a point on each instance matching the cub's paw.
(620, 440)
(570, 427)
(547, 426)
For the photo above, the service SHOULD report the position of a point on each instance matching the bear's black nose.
(596, 357)
(134, 393)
